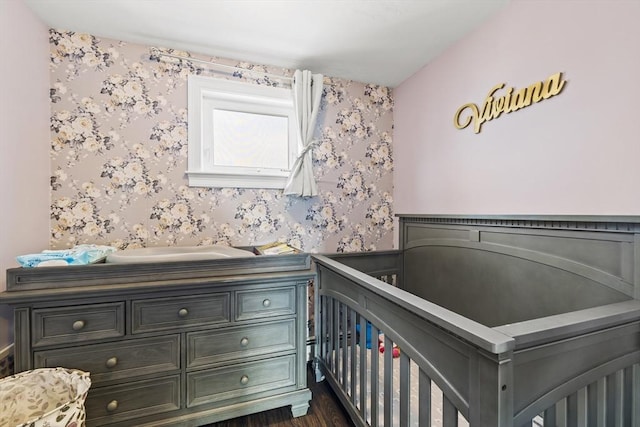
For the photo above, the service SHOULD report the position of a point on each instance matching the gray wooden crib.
(499, 321)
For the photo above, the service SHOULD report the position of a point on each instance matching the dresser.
(167, 344)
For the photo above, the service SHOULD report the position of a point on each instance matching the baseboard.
(6, 361)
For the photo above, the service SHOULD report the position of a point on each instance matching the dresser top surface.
(25, 284)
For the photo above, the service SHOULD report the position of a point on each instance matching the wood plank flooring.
(325, 411)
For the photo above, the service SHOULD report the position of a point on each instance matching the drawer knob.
(244, 380)
(78, 325)
(266, 302)
(112, 406)
(244, 342)
(112, 362)
(183, 312)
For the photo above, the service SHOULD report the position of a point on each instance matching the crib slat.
(322, 346)
(611, 392)
(388, 380)
(602, 402)
(352, 348)
(363, 366)
(449, 413)
(635, 395)
(405, 383)
(550, 416)
(424, 396)
(592, 405)
(617, 394)
(628, 395)
(344, 311)
(572, 410)
(319, 307)
(328, 331)
(375, 378)
(582, 403)
(335, 324)
(330, 339)
(561, 413)
(326, 313)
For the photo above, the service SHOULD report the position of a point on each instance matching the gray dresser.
(182, 343)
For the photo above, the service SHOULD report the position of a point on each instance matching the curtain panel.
(307, 91)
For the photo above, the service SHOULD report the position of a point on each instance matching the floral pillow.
(48, 397)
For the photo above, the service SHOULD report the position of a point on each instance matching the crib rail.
(469, 363)
(451, 371)
(383, 265)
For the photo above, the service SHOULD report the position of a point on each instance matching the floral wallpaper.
(119, 155)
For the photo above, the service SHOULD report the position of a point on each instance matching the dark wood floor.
(325, 411)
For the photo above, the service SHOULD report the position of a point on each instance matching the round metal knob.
(266, 302)
(77, 325)
(112, 406)
(244, 342)
(244, 380)
(112, 362)
(183, 312)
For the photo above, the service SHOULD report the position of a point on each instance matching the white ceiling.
(373, 41)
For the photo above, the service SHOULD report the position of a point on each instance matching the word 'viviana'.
(514, 99)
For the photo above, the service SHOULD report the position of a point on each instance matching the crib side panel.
(502, 271)
(475, 384)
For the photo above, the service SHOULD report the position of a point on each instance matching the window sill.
(275, 180)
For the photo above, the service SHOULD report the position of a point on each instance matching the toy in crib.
(395, 351)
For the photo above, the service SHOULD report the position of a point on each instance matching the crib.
(500, 321)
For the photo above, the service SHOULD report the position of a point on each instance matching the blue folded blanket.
(78, 255)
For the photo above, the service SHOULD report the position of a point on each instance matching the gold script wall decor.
(513, 99)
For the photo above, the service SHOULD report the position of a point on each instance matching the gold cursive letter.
(474, 116)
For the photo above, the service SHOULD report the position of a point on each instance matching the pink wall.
(24, 141)
(575, 153)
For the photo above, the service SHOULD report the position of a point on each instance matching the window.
(240, 134)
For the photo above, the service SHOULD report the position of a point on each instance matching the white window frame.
(206, 94)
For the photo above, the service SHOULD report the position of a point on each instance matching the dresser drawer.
(119, 360)
(265, 303)
(208, 347)
(79, 323)
(181, 312)
(241, 381)
(137, 399)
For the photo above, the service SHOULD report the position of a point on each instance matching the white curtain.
(307, 91)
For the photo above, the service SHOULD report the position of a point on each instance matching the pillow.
(49, 397)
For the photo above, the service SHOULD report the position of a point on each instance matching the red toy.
(396, 350)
